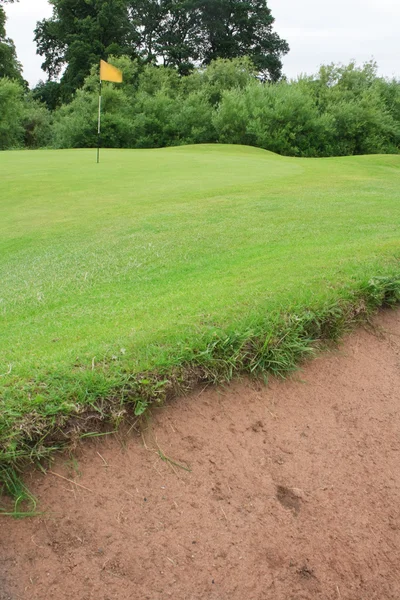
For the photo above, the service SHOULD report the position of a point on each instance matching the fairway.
(136, 264)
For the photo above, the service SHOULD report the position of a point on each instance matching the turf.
(136, 264)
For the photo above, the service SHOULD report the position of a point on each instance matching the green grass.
(119, 279)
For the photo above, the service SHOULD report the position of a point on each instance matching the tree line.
(182, 34)
(341, 110)
(195, 71)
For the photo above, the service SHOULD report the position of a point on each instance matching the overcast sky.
(318, 32)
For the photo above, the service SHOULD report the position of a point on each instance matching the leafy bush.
(11, 114)
(36, 122)
(342, 110)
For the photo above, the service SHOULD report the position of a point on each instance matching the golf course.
(127, 282)
(199, 300)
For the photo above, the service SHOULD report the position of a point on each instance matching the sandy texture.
(293, 494)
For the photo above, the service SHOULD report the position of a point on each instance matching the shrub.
(11, 114)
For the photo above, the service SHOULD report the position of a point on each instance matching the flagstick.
(99, 126)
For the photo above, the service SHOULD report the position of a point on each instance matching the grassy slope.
(126, 266)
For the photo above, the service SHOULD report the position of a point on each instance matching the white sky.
(318, 32)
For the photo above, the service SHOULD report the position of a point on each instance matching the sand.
(289, 491)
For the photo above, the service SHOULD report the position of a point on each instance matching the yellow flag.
(109, 73)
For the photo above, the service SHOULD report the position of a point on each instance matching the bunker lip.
(262, 352)
(110, 277)
(290, 489)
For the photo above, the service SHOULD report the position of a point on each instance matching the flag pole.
(99, 126)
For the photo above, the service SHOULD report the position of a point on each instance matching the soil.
(288, 492)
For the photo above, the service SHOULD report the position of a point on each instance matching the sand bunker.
(293, 493)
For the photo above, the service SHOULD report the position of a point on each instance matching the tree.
(9, 64)
(188, 33)
(234, 28)
(79, 34)
(11, 113)
(180, 41)
(48, 93)
(167, 32)
(177, 33)
(146, 17)
(36, 122)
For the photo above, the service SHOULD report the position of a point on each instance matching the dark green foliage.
(48, 93)
(79, 34)
(223, 74)
(233, 28)
(341, 111)
(36, 122)
(170, 32)
(185, 33)
(364, 108)
(192, 121)
(280, 118)
(11, 114)
(9, 64)
(175, 33)
(23, 120)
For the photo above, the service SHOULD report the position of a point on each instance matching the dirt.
(284, 492)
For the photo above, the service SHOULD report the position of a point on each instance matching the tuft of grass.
(127, 283)
(10, 479)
